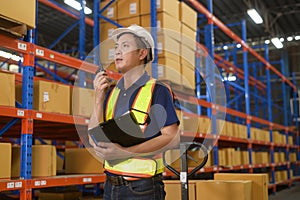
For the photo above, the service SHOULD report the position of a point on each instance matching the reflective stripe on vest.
(139, 166)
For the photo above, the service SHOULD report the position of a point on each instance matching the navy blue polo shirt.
(162, 111)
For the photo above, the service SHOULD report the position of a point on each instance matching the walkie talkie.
(100, 68)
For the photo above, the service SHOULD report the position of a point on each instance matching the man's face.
(127, 54)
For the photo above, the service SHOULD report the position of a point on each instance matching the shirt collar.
(140, 82)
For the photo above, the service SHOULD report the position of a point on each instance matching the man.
(135, 172)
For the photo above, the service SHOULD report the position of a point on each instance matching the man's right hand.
(101, 85)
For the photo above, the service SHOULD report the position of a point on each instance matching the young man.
(135, 172)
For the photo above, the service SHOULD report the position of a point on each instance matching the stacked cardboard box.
(82, 100)
(188, 19)
(173, 189)
(259, 183)
(5, 160)
(43, 161)
(7, 88)
(225, 190)
(81, 161)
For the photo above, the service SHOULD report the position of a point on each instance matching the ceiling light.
(10, 56)
(238, 45)
(281, 39)
(76, 5)
(297, 37)
(225, 47)
(277, 43)
(255, 16)
(290, 38)
(267, 41)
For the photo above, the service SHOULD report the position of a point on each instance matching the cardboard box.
(43, 161)
(245, 157)
(110, 12)
(222, 157)
(170, 70)
(188, 36)
(188, 75)
(62, 195)
(196, 158)
(20, 11)
(188, 16)
(223, 190)
(259, 183)
(128, 8)
(81, 161)
(190, 123)
(167, 46)
(5, 160)
(129, 21)
(49, 97)
(172, 158)
(7, 88)
(82, 101)
(106, 30)
(173, 189)
(164, 21)
(168, 6)
(204, 125)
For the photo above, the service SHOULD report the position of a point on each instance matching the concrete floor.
(292, 193)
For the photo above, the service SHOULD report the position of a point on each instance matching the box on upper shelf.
(110, 12)
(164, 21)
(19, 11)
(168, 6)
(188, 16)
(128, 8)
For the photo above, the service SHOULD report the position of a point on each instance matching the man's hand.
(111, 151)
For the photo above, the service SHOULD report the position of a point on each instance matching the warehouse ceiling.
(281, 19)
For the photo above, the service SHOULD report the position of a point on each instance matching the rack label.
(87, 180)
(18, 184)
(20, 113)
(22, 46)
(37, 183)
(39, 115)
(39, 52)
(10, 185)
(183, 177)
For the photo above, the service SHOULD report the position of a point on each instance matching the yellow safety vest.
(139, 166)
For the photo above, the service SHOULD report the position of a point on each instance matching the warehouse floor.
(292, 193)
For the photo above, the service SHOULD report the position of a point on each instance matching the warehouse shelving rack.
(29, 116)
(212, 20)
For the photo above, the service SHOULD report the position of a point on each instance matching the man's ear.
(143, 54)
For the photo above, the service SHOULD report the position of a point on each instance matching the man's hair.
(141, 44)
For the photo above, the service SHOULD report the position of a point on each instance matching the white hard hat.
(138, 31)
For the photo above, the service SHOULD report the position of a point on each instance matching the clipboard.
(123, 130)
